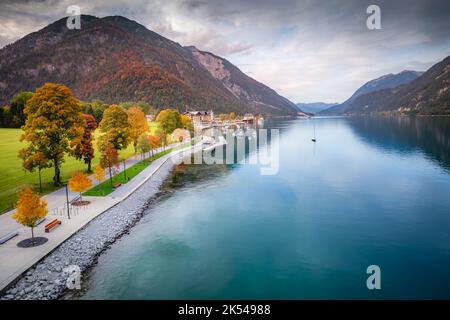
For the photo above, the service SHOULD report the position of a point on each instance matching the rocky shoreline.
(48, 278)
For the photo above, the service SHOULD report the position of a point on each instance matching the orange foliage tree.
(85, 149)
(79, 183)
(54, 124)
(137, 125)
(109, 158)
(32, 159)
(29, 209)
(99, 173)
(155, 141)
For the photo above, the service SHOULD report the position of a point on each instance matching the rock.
(47, 279)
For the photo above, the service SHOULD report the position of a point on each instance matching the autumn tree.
(232, 116)
(186, 123)
(95, 108)
(143, 144)
(137, 125)
(29, 209)
(32, 159)
(109, 158)
(160, 134)
(169, 120)
(155, 141)
(54, 124)
(85, 149)
(99, 173)
(114, 127)
(79, 183)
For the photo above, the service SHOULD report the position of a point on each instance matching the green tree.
(54, 124)
(169, 120)
(18, 103)
(115, 128)
(95, 108)
(5, 117)
(143, 144)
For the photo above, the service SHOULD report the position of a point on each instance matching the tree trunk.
(57, 177)
(89, 165)
(40, 181)
(32, 235)
(110, 175)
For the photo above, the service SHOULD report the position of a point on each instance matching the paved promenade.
(14, 260)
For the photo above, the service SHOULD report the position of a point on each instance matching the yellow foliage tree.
(187, 124)
(54, 125)
(99, 174)
(79, 183)
(137, 125)
(29, 209)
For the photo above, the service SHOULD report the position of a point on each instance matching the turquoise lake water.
(371, 191)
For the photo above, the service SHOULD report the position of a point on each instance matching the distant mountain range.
(408, 92)
(115, 60)
(314, 107)
(384, 82)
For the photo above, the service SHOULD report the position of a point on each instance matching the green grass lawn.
(105, 187)
(13, 177)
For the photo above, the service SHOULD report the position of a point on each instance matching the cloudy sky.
(307, 50)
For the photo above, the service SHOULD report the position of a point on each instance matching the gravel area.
(48, 278)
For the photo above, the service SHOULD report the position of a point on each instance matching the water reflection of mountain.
(430, 135)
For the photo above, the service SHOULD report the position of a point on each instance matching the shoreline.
(46, 280)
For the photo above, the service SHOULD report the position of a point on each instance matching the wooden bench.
(52, 225)
(117, 184)
(9, 236)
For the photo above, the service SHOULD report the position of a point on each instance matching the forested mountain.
(114, 59)
(383, 82)
(428, 94)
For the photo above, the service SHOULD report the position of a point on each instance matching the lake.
(370, 191)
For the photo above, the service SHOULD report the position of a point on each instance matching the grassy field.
(13, 177)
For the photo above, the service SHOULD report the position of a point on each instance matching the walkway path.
(14, 260)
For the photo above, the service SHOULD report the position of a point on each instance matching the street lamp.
(67, 200)
(124, 171)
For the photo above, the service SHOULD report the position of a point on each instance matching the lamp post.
(124, 171)
(67, 200)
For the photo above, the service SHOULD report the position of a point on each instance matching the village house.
(199, 117)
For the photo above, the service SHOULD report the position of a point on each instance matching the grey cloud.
(308, 49)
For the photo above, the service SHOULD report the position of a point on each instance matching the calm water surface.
(370, 191)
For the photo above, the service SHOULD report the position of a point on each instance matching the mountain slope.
(314, 107)
(115, 59)
(242, 86)
(383, 82)
(428, 94)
